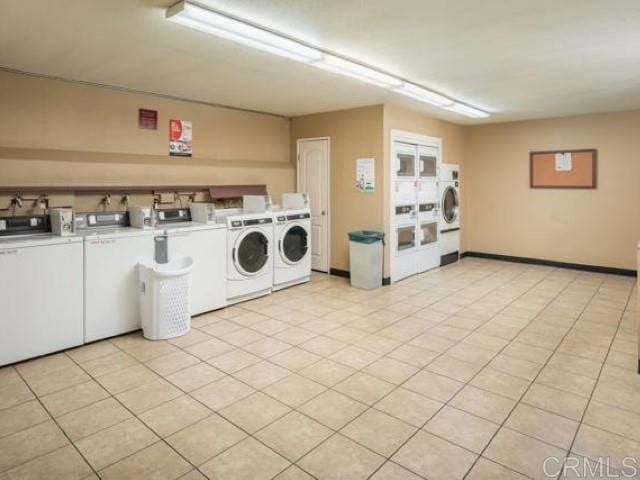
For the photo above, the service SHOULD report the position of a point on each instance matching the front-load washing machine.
(449, 186)
(292, 242)
(249, 254)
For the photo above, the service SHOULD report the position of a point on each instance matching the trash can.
(164, 298)
(365, 254)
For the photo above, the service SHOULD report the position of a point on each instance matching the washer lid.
(37, 240)
(189, 227)
(116, 233)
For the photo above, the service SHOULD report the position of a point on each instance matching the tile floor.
(480, 370)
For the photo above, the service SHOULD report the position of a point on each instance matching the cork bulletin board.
(564, 169)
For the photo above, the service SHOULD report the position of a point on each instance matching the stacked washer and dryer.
(425, 206)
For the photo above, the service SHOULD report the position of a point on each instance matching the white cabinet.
(111, 281)
(41, 297)
(207, 245)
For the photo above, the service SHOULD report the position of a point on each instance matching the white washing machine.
(449, 186)
(249, 254)
(206, 244)
(40, 290)
(112, 252)
(292, 242)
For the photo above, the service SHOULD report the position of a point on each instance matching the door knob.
(323, 213)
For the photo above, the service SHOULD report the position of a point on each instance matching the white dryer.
(292, 240)
(40, 290)
(449, 186)
(206, 243)
(249, 254)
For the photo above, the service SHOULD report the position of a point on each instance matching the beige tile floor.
(480, 370)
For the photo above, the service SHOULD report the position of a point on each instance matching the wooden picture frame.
(583, 175)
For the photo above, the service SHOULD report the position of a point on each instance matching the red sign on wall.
(180, 135)
(147, 119)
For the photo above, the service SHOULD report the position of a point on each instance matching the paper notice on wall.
(365, 174)
(563, 162)
(180, 134)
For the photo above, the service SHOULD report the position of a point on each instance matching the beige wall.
(453, 151)
(365, 132)
(59, 133)
(354, 133)
(598, 227)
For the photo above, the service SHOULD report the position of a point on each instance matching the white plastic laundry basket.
(164, 298)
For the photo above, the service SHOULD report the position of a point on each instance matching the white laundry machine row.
(113, 252)
(249, 262)
(41, 295)
(449, 221)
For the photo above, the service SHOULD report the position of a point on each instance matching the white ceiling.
(517, 59)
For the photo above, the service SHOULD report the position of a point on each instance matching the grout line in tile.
(595, 385)
(534, 379)
(58, 426)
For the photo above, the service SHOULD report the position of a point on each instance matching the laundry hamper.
(164, 298)
(365, 258)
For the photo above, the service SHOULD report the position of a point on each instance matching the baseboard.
(449, 258)
(346, 274)
(552, 263)
(339, 273)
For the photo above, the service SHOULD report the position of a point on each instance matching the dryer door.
(450, 204)
(294, 244)
(251, 252)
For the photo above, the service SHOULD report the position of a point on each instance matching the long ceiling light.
(207, 21)
(194, 16)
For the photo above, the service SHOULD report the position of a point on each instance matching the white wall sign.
(365, 174)
(563, 162)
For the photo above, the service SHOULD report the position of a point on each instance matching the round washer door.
(251, 252)
(294, 244)
(450, 204)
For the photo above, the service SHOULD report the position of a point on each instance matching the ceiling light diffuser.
(355, 70)
(207, 21)
(424, 95)
(467, 110)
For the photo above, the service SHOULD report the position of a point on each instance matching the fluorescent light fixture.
(355, 70)
(467, 110)
(208, 21)
(194, 16)
(424, 95)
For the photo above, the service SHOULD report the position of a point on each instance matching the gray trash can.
(365, 257)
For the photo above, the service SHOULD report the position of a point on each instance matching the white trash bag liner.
(164, 298)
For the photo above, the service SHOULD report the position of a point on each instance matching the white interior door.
(313, 179)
